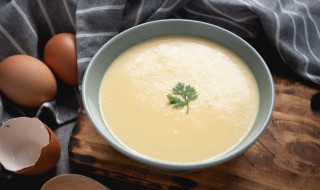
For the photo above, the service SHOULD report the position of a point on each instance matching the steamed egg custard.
(134, 104)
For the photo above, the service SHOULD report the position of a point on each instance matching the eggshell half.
(27, 146)
(48, 159)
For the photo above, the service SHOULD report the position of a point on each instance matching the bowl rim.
(179, 165)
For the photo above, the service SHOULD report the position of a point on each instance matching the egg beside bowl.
(29, 82)
(111, 50)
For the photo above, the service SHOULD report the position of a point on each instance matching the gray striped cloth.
(292, 26)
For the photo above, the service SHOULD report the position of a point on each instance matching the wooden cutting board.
(286, 156)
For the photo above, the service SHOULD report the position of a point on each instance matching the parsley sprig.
(186, 92)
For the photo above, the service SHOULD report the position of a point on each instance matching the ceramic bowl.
(108, 52)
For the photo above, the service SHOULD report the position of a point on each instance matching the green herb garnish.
(187, 92)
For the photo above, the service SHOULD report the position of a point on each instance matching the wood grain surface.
(286, 156)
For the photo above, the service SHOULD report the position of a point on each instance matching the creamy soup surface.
(134, 105)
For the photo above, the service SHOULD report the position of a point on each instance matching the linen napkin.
(293, 27)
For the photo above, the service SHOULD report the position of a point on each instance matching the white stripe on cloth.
(307, 39)
(69, 14)
(305, 29)
(221, 19)
(278, 29)
(84, 59)
(309, 15)
(294, 41)
(24, 16)
(46, 17)
(306, 34)
(247, 4)
(98, 34)
(167, 9)
(139, 13)
(13, 42)
(163, 10)
(107, 7)
(243, 19)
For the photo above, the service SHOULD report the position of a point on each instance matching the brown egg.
(34, 150)
(27, 81)
(60, 55)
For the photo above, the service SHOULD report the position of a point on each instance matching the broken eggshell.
(28, 147)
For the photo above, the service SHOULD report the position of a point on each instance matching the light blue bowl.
(128, 38)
